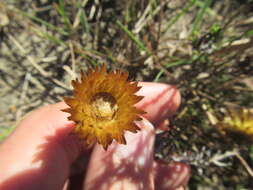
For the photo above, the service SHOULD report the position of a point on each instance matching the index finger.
(160, 100)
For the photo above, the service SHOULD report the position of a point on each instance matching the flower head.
(238, 120)
(103, 106)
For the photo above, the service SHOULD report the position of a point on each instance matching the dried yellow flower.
(103, 106)
(238, 120)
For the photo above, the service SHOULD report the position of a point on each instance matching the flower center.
(104, 105)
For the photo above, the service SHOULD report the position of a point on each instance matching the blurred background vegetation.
(204, 47)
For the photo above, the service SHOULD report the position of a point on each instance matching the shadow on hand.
(25, 180)
(118, 169)
(50, 167)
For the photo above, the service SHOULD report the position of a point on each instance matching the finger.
(39, 151)
(124, 166)
(160, 101)
(48, 123)
(171, 176)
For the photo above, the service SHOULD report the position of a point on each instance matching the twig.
(34, 63)
(70, 72)
(216, 159)
(244, 163)
(73, 59)
(205, 95)
(143, 21)
(31, 60)
(25, 87)
(37, 83)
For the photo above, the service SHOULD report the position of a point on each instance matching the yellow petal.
(103, 106)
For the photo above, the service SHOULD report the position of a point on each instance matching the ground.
(204, 47)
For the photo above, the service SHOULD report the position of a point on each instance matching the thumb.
(38, 154)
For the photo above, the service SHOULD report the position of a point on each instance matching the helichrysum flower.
(103, 106)
(238, 120)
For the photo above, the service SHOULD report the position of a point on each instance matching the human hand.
(40, 152)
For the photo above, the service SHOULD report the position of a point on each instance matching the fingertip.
(171, 176)
(160, 100)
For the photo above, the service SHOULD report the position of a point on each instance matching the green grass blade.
(49, 25)
(199, 18)
(248, 33)
(172, 64)
(53, 39)
(209, 11)
(61, 10)
(179, 15)
(83, 18)
(84, 22)
(157, 78)
(49, 37)
(134, 38)
(176, 63)
(6, 132)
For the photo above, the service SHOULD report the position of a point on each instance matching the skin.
(40, 153)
